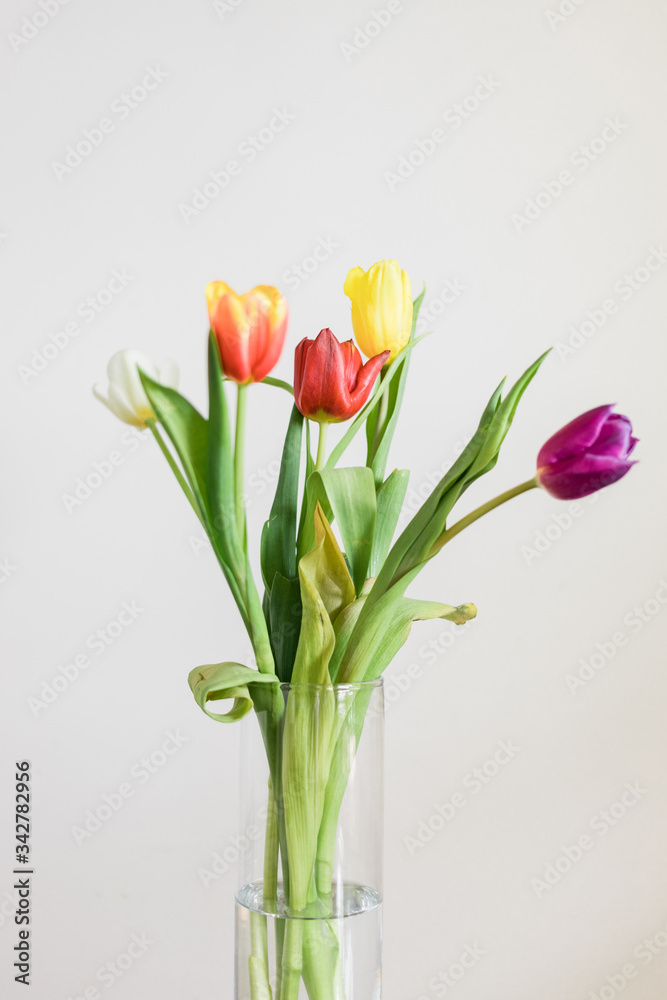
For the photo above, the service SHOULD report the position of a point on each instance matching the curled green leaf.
(228, 681)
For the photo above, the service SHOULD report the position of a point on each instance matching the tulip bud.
(249, 329)
(587, 454)
(125, 396)
(330, 382)
(381, 307)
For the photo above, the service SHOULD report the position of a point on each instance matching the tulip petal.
(124, 375)
(231, 327)
(614, 437)
(320, 390)
(366, 380)
(577, 477)
(381, 307)
(249, 329)
(352, 362)
(214, 292)
(575, 437)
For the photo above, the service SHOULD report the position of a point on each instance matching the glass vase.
(309, 899)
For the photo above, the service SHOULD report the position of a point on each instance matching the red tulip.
(330, 382)
(249, 329)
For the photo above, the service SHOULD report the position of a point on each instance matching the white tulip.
(125, 396)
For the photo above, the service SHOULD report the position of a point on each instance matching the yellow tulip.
(381, 307)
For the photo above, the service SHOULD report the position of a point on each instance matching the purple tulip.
(587, 454)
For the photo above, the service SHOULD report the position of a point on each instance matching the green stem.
(321, 446)
(239, 455)
(258, 963)
(480, 512)
(292, 958)
(151, 424)
(380, 420)
(270, 887)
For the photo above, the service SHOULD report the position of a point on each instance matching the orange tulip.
(249, 329)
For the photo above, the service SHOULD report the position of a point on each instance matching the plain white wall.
(550, 592)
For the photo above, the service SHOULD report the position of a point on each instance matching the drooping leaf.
(376, 641)
(224, 681)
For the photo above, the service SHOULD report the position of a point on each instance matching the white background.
(548, 592)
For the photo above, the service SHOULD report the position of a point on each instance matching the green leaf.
(376, 641)
(306, 514)
(409, 541)
(188, 432)
(344, 628)
(390, 499)
(219, 681)
(220, 466)
(278, 548)
(350, 495)
(502, 421)
(278, 383)
(379, 445)
(391, 371)
(284, 616)
(306, 762)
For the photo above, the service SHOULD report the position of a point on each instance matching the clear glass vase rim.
(347, 686)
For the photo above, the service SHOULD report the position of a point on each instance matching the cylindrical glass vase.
(309, 899)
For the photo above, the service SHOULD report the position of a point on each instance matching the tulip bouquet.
(334, 609)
